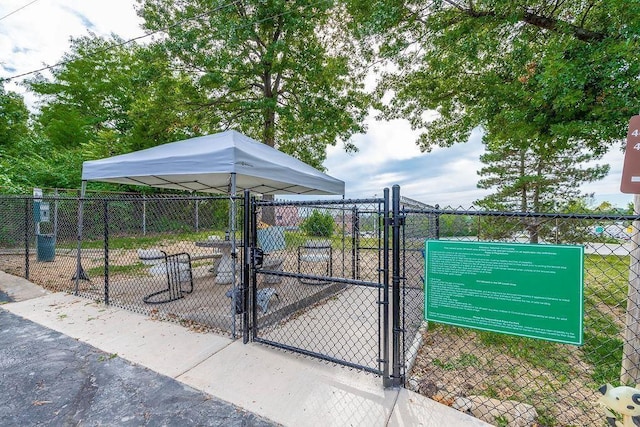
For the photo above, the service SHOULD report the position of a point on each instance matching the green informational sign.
(520, 289)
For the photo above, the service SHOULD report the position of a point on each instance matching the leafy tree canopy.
(279, 71)
(110, 98)
(14, 120)
(567, 71)
(15, 134)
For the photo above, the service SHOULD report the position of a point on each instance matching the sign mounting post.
(630, 370)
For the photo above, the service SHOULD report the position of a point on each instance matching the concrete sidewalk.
(286, 388)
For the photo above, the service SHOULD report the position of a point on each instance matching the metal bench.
(177, 270)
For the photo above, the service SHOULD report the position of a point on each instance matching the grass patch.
(606, 278)
(105, 357)
(464, 361)
(136, 242)
(606, 283)
(602, 344)
(131, 269)
(547, 355)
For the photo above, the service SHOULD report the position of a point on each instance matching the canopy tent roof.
(210, 163)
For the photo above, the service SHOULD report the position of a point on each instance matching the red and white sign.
(631, 168)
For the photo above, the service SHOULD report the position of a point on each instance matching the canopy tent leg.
(232, 232)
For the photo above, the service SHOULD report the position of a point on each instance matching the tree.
(562, 73)
(279, 71)
(532, 177)
(529, 179)
(566, 70)
(107, 98)
(14, 134)
(14, 118)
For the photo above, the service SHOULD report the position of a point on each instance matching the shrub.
(318, 224)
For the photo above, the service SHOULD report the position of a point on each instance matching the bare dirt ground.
(450, 365)
(208, 306)
(447, 365)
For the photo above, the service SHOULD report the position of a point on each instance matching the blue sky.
(38, 35)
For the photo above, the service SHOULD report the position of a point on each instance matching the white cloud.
(39, 34)
(389, 155)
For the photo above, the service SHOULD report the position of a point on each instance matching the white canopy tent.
(225, 163)
(214, 164)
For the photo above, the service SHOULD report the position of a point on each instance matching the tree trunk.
(268, 137)
(630, 372)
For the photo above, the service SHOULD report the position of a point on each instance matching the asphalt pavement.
(50, 379)
(69, 361)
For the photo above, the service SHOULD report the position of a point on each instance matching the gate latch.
(257, 257)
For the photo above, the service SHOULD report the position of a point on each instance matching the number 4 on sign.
(635, 132)
(637, 146)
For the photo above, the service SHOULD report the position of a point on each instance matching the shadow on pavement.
(48, 378)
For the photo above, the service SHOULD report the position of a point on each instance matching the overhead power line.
(48, 67)
(18, 9)
(6, 79)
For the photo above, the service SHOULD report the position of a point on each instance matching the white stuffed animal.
(622, 400)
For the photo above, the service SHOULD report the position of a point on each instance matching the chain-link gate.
(319, 279)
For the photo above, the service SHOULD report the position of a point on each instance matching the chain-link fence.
(177, 258)
(512, 380)
(142, 253)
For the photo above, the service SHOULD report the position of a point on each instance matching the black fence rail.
(512, 380)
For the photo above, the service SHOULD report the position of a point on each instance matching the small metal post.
(56, 194)
(248, 258)
(144, 215)
(27, 215)
(396, 377)
(387, 380)
(197, 215)
(79, 271)
(106, 252)
(437, 236)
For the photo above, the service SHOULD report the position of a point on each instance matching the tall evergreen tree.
(527, 176)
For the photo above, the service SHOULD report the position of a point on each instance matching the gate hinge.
(257, 257)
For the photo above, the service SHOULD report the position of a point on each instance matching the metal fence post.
(355, 236)
(197, 216)
(106, 252)
(437, 221)
(248, 255)
(56, 194)
(26, 237)
(144, 214)
(254, 278)
(396, 376)
(387, 379)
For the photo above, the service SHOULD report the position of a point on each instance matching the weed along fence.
(344, 280)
